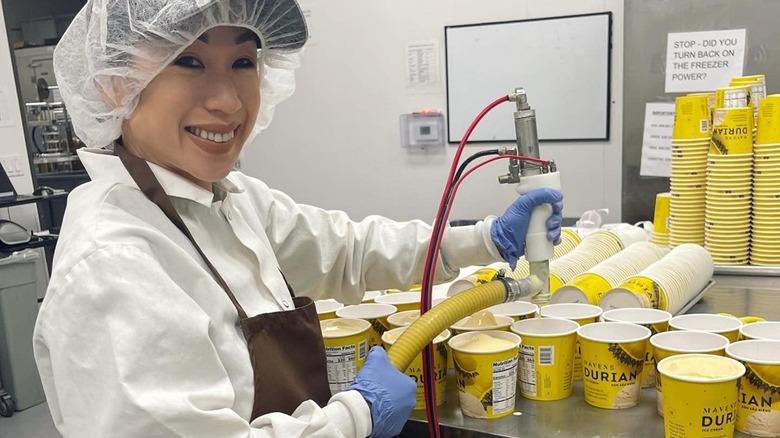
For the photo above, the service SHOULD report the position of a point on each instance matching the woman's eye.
(188, 62)
(244, 63)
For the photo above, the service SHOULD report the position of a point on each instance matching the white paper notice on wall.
(422, 67)
(657, 140)
(703, 61)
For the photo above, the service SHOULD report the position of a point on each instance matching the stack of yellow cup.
(661, 219)
(595, 248)
(569, 240)
(766, 185)
(758, 412)
(690, 143)
(729, 182)
(592, 284)
(669, 284)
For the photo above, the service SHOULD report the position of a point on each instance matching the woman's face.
(194, 117)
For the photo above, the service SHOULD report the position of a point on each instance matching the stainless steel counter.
(572, 417)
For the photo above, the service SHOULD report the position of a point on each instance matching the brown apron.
(285, 348)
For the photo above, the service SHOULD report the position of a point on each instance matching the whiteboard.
(563, 63)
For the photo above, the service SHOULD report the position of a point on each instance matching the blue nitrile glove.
(391, 394)
(508, 231)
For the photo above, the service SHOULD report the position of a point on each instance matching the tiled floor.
(34, 422)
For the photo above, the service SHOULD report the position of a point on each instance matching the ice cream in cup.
(655, 320)
(346, 347)
(326, 309)
(517, 310)
(415, 369)
(486, 372)
(546, 357)
(375, 313)
(580, 313)
(758, 408)
(672, 343)
(482, 320)
(402, 319)
(613, 355)
(701, 395)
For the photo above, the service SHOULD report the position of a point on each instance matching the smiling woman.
(167, 313)
(195, 116)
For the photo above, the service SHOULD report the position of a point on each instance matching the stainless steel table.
(572, 417)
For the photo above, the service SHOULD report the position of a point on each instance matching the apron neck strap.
(143, 176)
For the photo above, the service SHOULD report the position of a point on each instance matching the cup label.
(342, 364)
(758, 412)
(612, 373)
(486, 386)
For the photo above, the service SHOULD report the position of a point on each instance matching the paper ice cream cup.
(326, 309)
(705, 322)
(486, 372)
(376, 314)
(655, 320)
(517, 310)
(767, 330)
(478, 278)
(546, 357)
(758, 409)
(691, 118)
(370, 296)
(415, 369)
(732, 131)
(701, 395)
(403, 319)
(661, 214)
(669, 344)
(613, 355)
(582, 314)
(402, 300)
(346, 347)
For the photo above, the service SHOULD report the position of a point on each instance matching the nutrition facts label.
(342, 365)
(527, 369)
(504, 384)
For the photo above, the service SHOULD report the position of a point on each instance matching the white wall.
(336, 142)
(12, 139)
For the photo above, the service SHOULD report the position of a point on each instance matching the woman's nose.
(222, 96)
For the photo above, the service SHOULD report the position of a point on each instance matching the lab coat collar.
(103, 164)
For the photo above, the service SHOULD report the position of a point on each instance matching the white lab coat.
(136, 339)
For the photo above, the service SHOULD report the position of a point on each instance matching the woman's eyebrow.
(248, 36)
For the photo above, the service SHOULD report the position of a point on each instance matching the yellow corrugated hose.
(424, 330)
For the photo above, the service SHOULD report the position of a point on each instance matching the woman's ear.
(112, 89)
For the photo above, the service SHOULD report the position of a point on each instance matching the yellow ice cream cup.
(326, 309)
(546, 357)
(691, 118)
(580, 313)
(477, 278)
(661, 214)
(767, 330)
(613, 355)
(701, 395)
(768, 124)
(672, 343)
(403, 319)
(655, 320)
(758, 409)
(705, 322)
(517, 310)
(375, 313)
(732, 131)
(486, 372)
(346, 347)
(402, 300)
(415, 369)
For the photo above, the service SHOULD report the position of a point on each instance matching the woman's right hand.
(391, 394)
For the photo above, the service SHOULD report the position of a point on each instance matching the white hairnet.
(119, 46)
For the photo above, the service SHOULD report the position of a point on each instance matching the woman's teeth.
(212, 136)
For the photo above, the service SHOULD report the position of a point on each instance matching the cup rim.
(505, 321)
(772, 346)
(380, 310)
(660, 316)
(445, 335)
(587, 311)
(616, 327)
(746, 329)
(518, 327)
(661, 365)
(675, 322)
(659, 337)
(399, 298)
(360, 325)
(327, 306)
